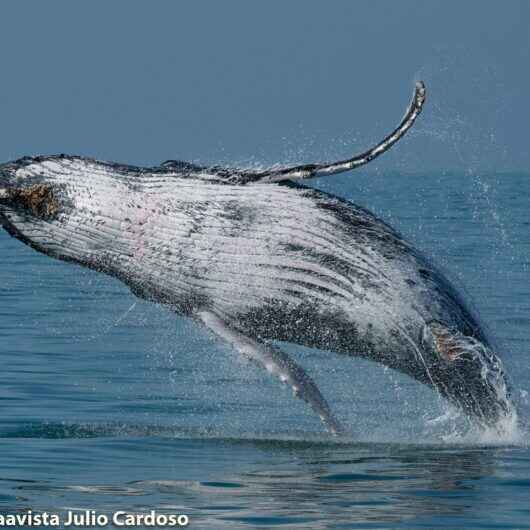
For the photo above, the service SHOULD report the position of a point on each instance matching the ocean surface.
(110, 403)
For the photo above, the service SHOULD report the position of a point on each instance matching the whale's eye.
(38, 199)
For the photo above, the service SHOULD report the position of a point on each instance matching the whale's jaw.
(467, 372)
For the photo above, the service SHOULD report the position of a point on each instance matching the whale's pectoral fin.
(275, 362)
(306, 171)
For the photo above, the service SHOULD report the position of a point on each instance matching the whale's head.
(63, 206)
(466, 371)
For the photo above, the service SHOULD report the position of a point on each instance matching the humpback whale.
(258, 258)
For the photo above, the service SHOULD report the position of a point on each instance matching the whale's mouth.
(469, 374)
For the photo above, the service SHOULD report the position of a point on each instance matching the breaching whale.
(256, 257)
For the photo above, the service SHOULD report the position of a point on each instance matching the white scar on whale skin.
(257, 258)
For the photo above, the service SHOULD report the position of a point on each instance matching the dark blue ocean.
(110, 403)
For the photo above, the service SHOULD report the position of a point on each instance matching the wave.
(512, 434)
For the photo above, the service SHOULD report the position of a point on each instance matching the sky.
(242, 82)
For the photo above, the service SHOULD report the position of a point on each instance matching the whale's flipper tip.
(277, 363)
(420, 94)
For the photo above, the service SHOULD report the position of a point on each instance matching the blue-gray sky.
(262, 82)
